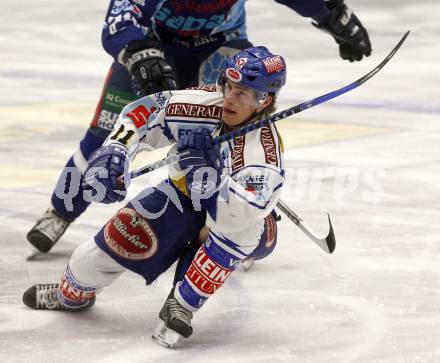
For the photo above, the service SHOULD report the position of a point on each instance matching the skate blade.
(165, 337)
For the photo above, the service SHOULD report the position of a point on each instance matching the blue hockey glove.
(149, 71)
(105, 166)
(347, 30)
(202, 164)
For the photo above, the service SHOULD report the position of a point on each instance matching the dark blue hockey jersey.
(129, 20)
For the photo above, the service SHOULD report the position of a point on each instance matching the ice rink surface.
(370, 158)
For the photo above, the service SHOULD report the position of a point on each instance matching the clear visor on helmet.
(257, 96)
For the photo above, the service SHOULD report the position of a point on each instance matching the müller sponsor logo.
(122, 229)
(130, 236)
(194, 110)
(233, 74)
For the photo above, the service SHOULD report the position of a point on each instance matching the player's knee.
(91, 266)
(203, 234)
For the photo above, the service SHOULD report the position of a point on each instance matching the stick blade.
(330, 239)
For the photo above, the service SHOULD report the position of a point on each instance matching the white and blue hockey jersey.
(253, 162)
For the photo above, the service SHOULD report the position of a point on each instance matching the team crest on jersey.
(233, 74)
(274, 64)
(256, 185)
(130, 236)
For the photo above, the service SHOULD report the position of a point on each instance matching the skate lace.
(47, 296)
(52, 225)
(177, 311)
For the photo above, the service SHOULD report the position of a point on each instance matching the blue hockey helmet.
(258, 69)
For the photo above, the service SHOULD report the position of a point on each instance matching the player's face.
(239, 104)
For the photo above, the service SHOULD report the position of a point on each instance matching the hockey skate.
(45, 297)
(176, 323)
(47, 231)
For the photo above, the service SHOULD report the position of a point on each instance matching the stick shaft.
(172, 159)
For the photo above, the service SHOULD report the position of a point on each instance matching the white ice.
(370, 158)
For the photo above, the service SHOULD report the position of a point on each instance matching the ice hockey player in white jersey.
(160, 45)
(232, 188)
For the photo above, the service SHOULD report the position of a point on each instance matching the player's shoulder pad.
(156, 102)
(193, 104)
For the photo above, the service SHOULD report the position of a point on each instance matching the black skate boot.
(45, 296)
(176, 323)
(47, 231)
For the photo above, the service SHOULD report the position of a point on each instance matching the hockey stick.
(327, 244)
(172, 159)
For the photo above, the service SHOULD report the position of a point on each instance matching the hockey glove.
(202, 164)
(149, 71)
(338, 20)
(105, 166)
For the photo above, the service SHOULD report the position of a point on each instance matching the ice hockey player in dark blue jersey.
(167, 44)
